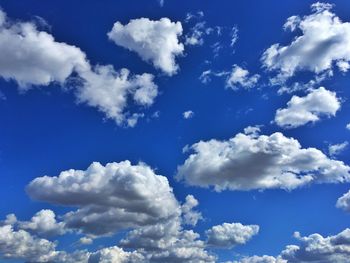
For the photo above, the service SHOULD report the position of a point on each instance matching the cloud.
(323, 43)
(21, 245)
(312, 248)
(188, 114)
(348, 126)
(229, 235)
(109, 198)
(190, 217)
(109, 91)
(279, 162)
(261, 259)
(154, 41)
(32, 57)
(343, 202)
(206, 75)
(115, 254)
(302, 110)
(336, 149)
(239, 77)
(43, 223)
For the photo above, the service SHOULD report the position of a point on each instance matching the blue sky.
(56, 115)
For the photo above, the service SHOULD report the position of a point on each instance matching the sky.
(174, 131)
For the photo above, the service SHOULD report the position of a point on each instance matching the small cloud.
(188, 114)
(336, 149)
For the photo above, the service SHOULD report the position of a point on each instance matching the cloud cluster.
(125, 197)
(323, 43)
(32, 57)
(302, 110)
(229, 235)
(279, 162)
(312, 248)
(154, 41)
(112, 197)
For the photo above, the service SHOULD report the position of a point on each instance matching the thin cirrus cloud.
(323, 43)
(34, 58)
(302, 110)
(156, 42)
(279, 162)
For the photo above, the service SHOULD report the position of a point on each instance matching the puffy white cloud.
(190, 217)
(154, 41)
(109, 91)
(86, 241)
(279, 162)
(316, 248)
(109, 198)
(343, 202)
(348, 126)
(168, 242)
(261, 259)
(21, 245)
(43, 223)
(312, 248)
(188, 114)
(115, 255)
(336, 149)
(239, 77)
(302, 110)
(229, 235)
(324, 42)
(33, 57)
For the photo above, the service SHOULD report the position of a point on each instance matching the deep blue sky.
(44, 132)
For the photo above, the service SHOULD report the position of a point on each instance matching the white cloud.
(324, 42)
(279, 162)
(234, 35)
(206, 75)
(43, 223)
(195, 37)
(348, 126)
(336, 149)
(21, 245)
(86, 241)
(154, 41)
(109, 198)
(261, 259)
(312, 248)
(302, 110)
(188, 114)
(239, 77)
(343, 202)
(33, 57)
(117, 255)
(229, 235)
(190, 217)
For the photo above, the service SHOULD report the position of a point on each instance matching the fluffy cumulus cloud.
(229, 235)
(279, 162)
(312, 248)
(344, 202)
(32, 57)
(302, 110)
(112, 197)
(240, 77)
(43, 223)
(154, 41)
(115, 254)
(322, 44)
(125, 197)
